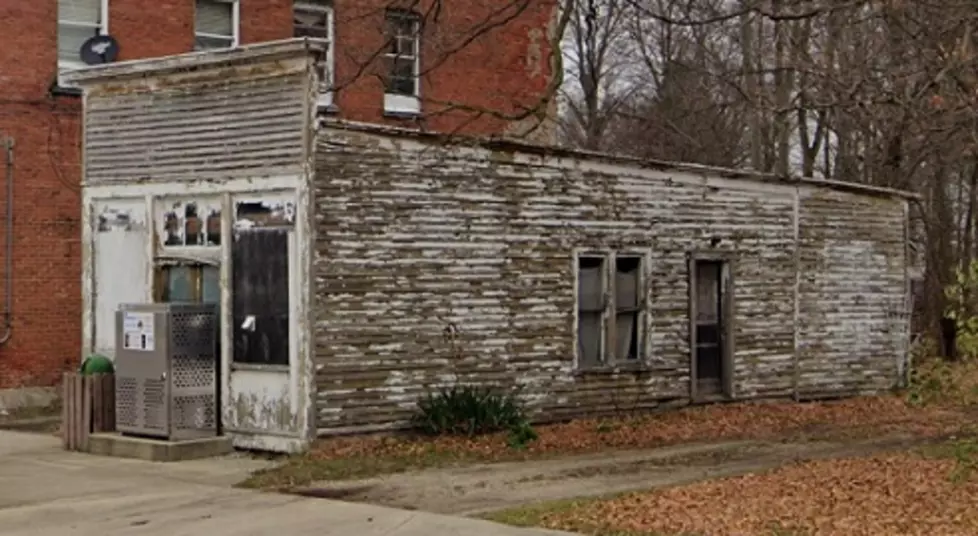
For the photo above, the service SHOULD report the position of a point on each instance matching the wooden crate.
(87, 406)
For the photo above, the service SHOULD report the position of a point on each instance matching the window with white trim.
(78, 21)
(216, 24)
(611, 309)
(402, 85)
(314, 18)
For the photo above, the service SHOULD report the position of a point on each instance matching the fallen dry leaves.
(882, 495)
(857, 417)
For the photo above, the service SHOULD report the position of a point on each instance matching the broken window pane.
(194, 230)
(590, 304)
(256, 213)
(627, 299)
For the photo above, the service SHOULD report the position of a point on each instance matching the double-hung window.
(402, 87)
(216, 24)
(78, 21)
(611, 309)
(314, 18)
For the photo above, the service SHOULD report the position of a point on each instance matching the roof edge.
(514, 144)
(294, 47)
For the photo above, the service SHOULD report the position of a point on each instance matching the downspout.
(8, 259)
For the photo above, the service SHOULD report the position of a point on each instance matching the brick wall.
(501, 71)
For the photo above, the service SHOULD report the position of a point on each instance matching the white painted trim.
(88, 279)
(227, 331)
(258, 185)
(401, 104)
(305, 364)
(266, 442)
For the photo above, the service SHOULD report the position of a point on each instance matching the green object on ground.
(97, 364)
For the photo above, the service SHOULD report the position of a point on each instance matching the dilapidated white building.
(357, 266)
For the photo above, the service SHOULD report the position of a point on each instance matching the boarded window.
(628, 281)
(590, 310)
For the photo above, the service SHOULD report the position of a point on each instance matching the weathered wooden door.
(261, 398)
(710, 328)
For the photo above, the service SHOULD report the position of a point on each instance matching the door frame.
(728, 320)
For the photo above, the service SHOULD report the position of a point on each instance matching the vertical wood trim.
(225, 410)
(154, 239)
(575, 289)
(88, 271)
(796, 314)
(691, 268)
(610, 354)
(729, 319)
(904, 363)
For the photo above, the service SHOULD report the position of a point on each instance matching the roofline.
(267, 50)
(510, 144)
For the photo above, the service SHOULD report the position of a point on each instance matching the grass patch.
(300, 470)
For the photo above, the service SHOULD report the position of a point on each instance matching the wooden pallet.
(87, 406)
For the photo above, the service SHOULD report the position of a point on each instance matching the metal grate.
(193, 330)
(194, 412)
(190, 372)
(126, 401)
(154, 404)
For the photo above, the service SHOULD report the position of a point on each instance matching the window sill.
(327, 109)
(260, 367)
(620, 368)
(62, 91)
(401, 114)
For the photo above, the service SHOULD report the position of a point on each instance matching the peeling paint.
(414, 236)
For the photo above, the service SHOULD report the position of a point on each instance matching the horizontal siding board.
(411, 241)
(248, 121)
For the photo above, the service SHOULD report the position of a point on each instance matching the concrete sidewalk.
(47, 491)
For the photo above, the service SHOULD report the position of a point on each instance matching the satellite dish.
(99, 49)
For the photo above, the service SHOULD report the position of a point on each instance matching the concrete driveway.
(47, 491)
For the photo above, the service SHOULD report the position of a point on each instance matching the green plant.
(521, 435)
(961, 296)
(470, 410)
(966, 458)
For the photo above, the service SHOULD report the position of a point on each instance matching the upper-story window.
(402, 90)
(79, 20)
(314, 18)
(216, 24)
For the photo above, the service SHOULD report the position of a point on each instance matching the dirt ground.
(478, 489)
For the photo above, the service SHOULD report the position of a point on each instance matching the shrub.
(470, 410)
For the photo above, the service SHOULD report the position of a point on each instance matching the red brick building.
(468, 65)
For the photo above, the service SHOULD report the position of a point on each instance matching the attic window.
(216, 24)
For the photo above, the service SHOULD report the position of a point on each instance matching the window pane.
(70, 40)
(179, 285)
(214, 17)
(213, 228)
(405, 46)
(80, 11)
(627, 281)
(193, 226)
(210, 291)
(707, 295)
(208, 43)
(590, 287)
(626, 329)
(589, 339)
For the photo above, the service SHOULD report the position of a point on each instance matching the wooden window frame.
(608, 345)
(400, 102)
(235, 36)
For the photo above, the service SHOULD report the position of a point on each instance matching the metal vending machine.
(167, 370)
